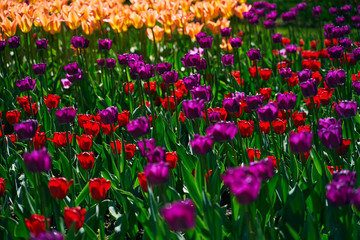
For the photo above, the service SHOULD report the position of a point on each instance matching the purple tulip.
(214, 116)
(338, 32)
(333, 11)
(346, 109)
(170, 77)
(355, 199)
(2, 45)
(316, 11)
(345, 176)
(193, 108)
(244, 184)
(180, 215)
(254, 54)
(231, 105)
(80, 42)
(225, 32)
(227, 60)
(202, 93)
(300, 142)
(268, 24)
(268, 113)
(162, 68)
(191, 60)
(249, 15)
(100, 62)
(304, 75)
(309, 88)
(39, 69)
(260, 12)
(340, 191)
(340, 20)
(157, 173)
(356, 54)
(65, 83)
(205, 42)
(345, 43)
(41, 44)
(201, 144)
(75, 77)
(72, 68)
(123, 59)
(346, 8)
(222, 131)
(336, 52)
(286, 101)
(26, 129)
(48, 236)
(66, 115)
(192, 81)
(330, 132)
(38, 160)
(334, 78)
(109, 115)
(276, 38)
(200, 35)
(202, 65)
(110, 63)
(356, 85)
(254, 20)
(285, 72)
(288, 16)
(301, 7)
(272, 15)
(254, 102)
(290, 48)
(157, 154)
(235, 42)
(149, 145)
(14, 42)
(263, 169)
(146, 71)
(26, 84)
(105, 44)
(138, 127)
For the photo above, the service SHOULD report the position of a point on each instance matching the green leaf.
(83, 194)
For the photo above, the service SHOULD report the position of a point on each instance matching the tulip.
(60, 139)
(105, 44)
(193, 108)
(336, 52)
(39, 140)
(38, 160)
(36, 224)
(53, 235)
(26, 129)
(254, 102)
(231, 105)
(235, 42)
(180, 215)
(286, 101)
(268, 113)
(86, 160)
(59, 187)
(85, 142)
(170, 77)
(79, 42)
(264, 169)
(157, 173)
(346, 109)
(316, 11)
(39, 69)
(309, 88)
(298, 118)
(2, 187)
(2, 45)
(74, 217)
(66, 115)
(222, 131)
(192, 81)
(143, 181)
(98, 188)
(334, 78)
(246, 128)
(285, 72)
(13, 116)
(227, 60)
(171, 158)
(254, 54)
(138, 127)
(41, 44)
(300, 142)
(205, 42)
(14, 42)
(276, 38)
(149, 145)
(109, 115)
(26, 84)
(72, 68)
(52, 101)
(110, 63)
(162, 68)
(330, 132)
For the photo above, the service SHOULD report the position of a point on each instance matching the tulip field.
(181, 119)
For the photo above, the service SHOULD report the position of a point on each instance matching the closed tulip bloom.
(191, 60)
(2, 187)
(244, 184)
(2, 45)
(52, 101)
(72, 68)
(264, 169)
(225, 32)
(38, 160)
(268, 24)
(39, 69)
(162, 68)
(105, 44)
(356, 85)
(13, 116)
(286, 101)
(336, 52)
(138, 127)
(333, 11)
(59, 187)
(338, 193)
(265, 74)
(193, 108)
(334, 78)
(356, 54)
(330, 132)
(304, 75)
(14, 42)
(202, 93)
(192, 81)
(231, 105)
(80, 42)
(157, 173)
(309, 88)
(235, 42)
(201, 144)
(170, 77)
(53, 235)
(98, 188)
(36, 224)
(285, 72)
(41, 44)
(39, 140)
(74, 217)
(300, 142)
(110, 63)
(171, 158)
(316, 11)
(86, 160)
(109, 115)
(85, 142)
(222, 131)
(66, 115)
(155, 155)
(254, 102)
(246, 128)
(268, 113)
(180, 215)
(298, 118)
(276, 38)
(26, 84)
(123, 118)
(227, 60)
(346, 109)
(205, 42)
(60, 139)
(254, 54)
(355, 199)
(26, 129)
(149, 145)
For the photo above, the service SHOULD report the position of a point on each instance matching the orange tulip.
(226, 46)
(150, 17)
(24, 22)
(239, 10)
(136, 20)
(227, 8)
(192, 29)
(157, 31)
(72, 20)
(9, 27)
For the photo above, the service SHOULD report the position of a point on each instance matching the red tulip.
(265, 74)
(82, 118)
(33, 107)
(12, 138)
(344, 148)
(253, 72)
(36, 224)
(279, 126)
(60, 140)
(22, 101)
(264, 127)
(324, 95)
(316, 102)
(52, 101)
(129, 149)
(59, 187)
(317, 76)
(91, 128)
(13, 116)
(74, 217)
(143, 181)
(165, 105)
(266, 93)
(107, 128)
(85, 142)
(39, 140)
(293, 80)
(251, 153)
(181, 87)
(2, 187)
(152, 87)
(86, 160)
(246, 128)
(98, 188)
(207, 175)
(171, 158)
(128, 86)
(298, 118)
(306, 128)
(123, 118)
(1, 129)
(182, 117)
